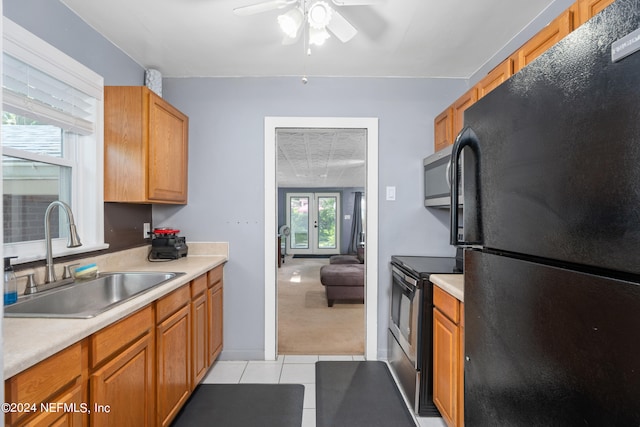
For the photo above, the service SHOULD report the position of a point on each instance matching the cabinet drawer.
(110, 340)
(198, 285)
(215, 275)
(45, 379)
(447, 304)
(171, 303)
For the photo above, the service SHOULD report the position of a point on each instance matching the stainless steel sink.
(85, 299)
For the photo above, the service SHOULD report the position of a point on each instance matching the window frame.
(87, 161)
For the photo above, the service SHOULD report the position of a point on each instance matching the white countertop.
(453, 284)
(28, 341)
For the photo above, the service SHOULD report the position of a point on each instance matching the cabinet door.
(461, 361)
(496, 77)
(445, 367)
(547, 37)
(48, 378)
(122, 391)
(215, 321)
(168, 140)
(590, 8)
(464, 102)
(173, 352)
(72, 398)
(443, 130)
(199, 342)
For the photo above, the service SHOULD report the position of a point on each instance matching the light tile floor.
(286, 369)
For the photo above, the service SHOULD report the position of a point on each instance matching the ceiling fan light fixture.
(291, 22)
(319, 15)
(317, 36)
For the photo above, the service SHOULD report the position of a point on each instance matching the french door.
(313, 220)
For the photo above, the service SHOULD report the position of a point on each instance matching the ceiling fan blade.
(265, 6)
(341, 28)
(356, 2)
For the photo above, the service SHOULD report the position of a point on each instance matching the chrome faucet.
(73, 242)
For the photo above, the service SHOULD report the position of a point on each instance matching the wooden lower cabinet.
(199, 330)
(139, 371)
(215, 312)
(448, 353)
(73, 399)
(445, 372)
(122, 392)
(173, 354)
(44, 387)
(122, 363)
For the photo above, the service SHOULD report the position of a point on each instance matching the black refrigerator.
(551, 173)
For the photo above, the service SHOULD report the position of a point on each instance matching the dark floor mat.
(243, 405)
(358, 394)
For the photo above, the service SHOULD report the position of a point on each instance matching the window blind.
(35, 94)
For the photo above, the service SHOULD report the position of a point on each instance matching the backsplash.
(123, 225)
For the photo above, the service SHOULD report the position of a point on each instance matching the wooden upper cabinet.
(146, 147)
(495, 78)
(547, 37)
(443, 130)
(464, 102)
(590, 8)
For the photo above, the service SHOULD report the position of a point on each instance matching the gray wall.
(60, 27)
(226, 168)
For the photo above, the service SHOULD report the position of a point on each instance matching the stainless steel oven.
(410, 326)
(405, 309)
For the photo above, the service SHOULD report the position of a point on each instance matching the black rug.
(358, 394)
(243, 405)
(311, 256)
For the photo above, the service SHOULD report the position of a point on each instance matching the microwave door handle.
(448, 175)
(466, 138)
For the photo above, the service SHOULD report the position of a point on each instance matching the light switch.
(391, 193)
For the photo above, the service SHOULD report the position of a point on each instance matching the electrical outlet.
(146, 229)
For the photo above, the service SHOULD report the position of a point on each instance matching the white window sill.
(56, 253)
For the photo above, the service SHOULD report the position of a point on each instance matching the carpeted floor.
(305, 324)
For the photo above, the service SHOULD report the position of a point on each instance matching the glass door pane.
(327, 222)
(299, 222)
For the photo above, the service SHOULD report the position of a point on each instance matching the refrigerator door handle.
(466, 138)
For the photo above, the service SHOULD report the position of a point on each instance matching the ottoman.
(343, 282)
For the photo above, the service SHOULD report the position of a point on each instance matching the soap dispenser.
(10, 282)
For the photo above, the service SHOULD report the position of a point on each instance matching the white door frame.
(271, 224)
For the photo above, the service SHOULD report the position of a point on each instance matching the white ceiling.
(400, 38)
(311, 158)
(396, 38)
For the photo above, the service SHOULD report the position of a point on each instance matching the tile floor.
(287, 369)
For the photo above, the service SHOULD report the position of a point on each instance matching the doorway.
(272, 124)
(313, 221)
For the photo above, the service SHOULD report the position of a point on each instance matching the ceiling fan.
(320, 17)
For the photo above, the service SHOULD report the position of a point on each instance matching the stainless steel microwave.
(437, 182)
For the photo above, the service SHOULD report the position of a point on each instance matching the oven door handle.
(408, 284)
